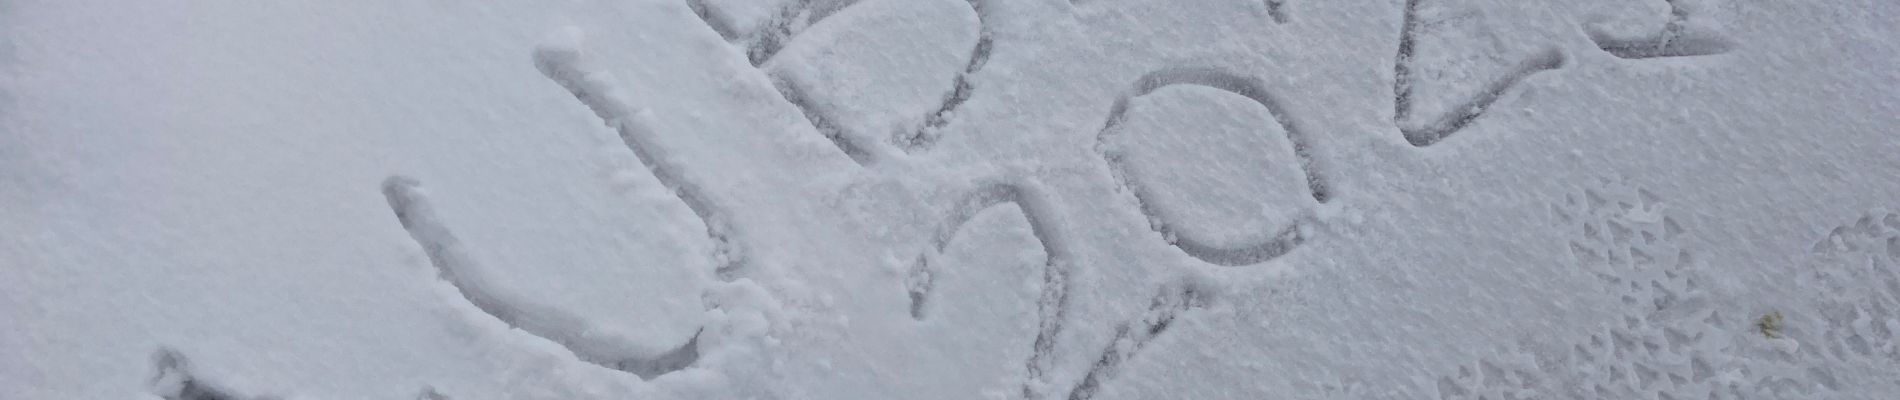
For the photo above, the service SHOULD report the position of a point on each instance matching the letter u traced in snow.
(606, 312)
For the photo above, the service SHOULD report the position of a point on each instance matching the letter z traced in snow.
(1675, 40)
(1405, 82)
(1277, 242)
(454, 265)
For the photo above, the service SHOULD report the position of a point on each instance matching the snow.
(1212, 162)
(1099, 199)
(906, 54)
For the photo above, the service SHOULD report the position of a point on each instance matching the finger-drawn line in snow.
(928, 135)
(1036, 210)
(791, 20)
(700, 9)
(600, 92)
(1132, 337)
(796, 95)
(1252, 88)
(454, 265)
(172, 379)
(429, 393)
(765, 41)
(1673, 41)
(1460, 117)
(1051, 305)
(1276, 9)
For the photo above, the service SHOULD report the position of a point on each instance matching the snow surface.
(831, 68)
(1212, 162)
(876, 199)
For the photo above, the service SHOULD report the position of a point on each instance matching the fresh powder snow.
(950, 199)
